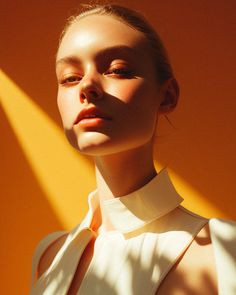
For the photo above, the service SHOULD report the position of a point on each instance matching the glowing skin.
(102, 55)
(93, 71)
(105, 64)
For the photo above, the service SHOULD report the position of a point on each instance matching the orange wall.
(199, 151)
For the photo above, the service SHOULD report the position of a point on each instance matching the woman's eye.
(70, 80)
(120, 72)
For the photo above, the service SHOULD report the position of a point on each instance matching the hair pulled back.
(137, 22)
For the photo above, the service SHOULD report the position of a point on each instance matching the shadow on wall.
(26, 215)
(36, 193)
(201, 150)
(200, 42)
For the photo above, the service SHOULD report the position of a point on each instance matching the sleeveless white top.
(152, 230)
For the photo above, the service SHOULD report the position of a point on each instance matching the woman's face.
(108, 95)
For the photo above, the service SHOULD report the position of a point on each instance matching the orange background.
(45, 182)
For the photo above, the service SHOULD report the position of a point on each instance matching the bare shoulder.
(195, 272)
(49, 254)
(199, 262)
(202, 256)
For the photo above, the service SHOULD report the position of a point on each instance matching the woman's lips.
(92, 116)
(92, 122)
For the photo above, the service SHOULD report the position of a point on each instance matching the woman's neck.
(120, 174)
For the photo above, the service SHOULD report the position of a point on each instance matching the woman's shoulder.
(45, 252)
(223, 236)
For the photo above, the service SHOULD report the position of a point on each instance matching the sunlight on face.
(105, 71)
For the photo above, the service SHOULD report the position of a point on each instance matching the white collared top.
(152, 230)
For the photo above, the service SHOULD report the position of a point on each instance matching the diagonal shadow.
(26, 215)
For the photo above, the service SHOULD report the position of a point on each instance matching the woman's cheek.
(138, 94)
(66, 107)
(128, 91)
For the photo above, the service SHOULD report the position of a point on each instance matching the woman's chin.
(91, 143)
(99, 144)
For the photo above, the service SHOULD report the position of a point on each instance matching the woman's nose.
(90, 90)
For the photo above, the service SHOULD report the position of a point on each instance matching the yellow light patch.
(65, 176)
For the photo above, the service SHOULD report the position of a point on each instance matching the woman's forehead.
(97, 32)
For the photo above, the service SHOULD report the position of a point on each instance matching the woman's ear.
(170, 96)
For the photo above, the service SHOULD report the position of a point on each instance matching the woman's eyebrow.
(117, 51)
(68, 60)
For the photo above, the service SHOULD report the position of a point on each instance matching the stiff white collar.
(133, 211)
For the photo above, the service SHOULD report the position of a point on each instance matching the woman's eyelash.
(70, 80)
(120, 72)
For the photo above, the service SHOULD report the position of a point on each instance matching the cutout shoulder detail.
(40, 250)
(223, 235)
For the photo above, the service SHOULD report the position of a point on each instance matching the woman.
(115, 80)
